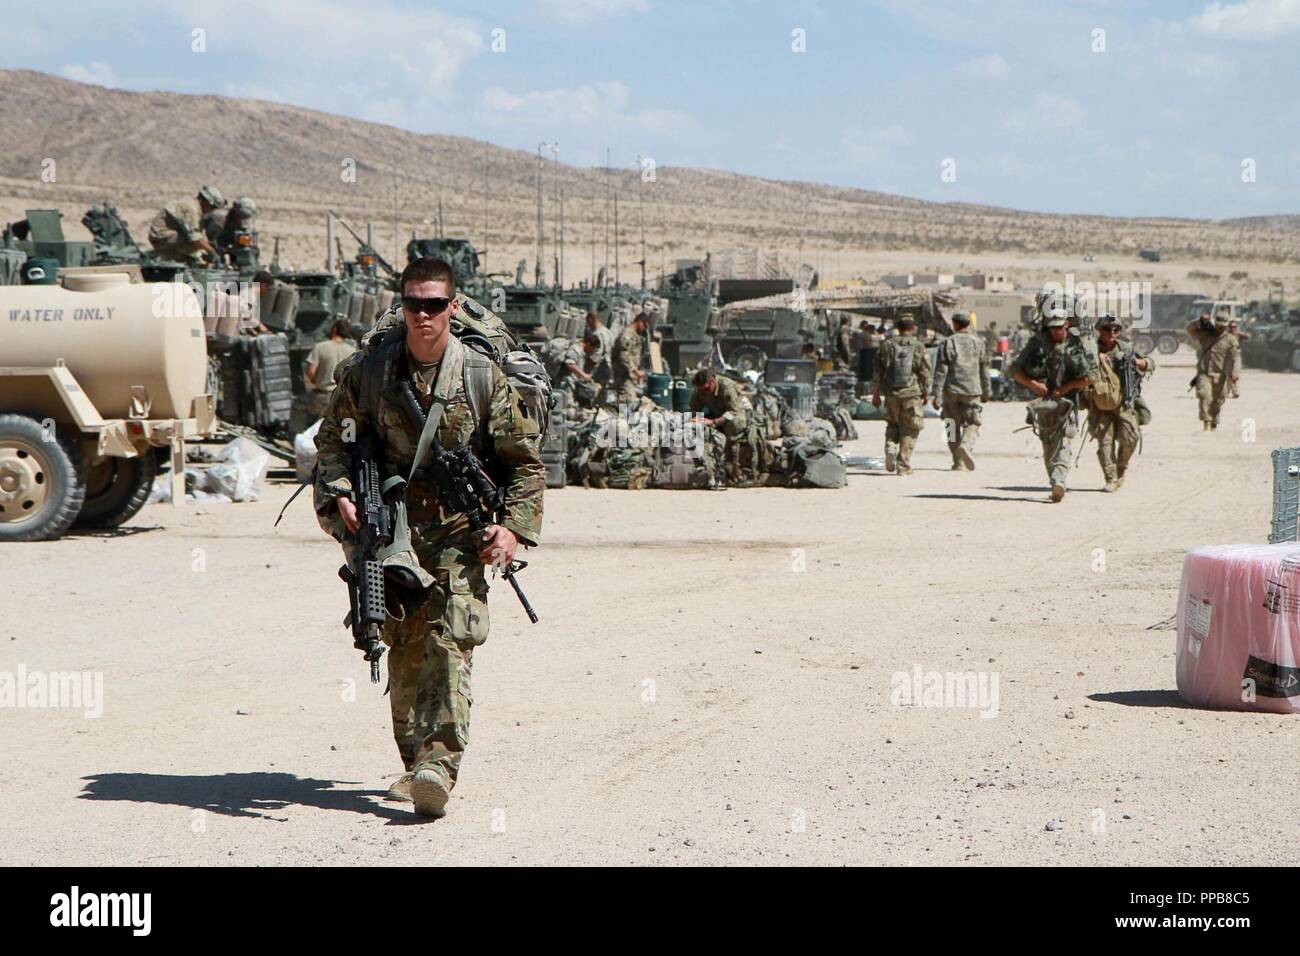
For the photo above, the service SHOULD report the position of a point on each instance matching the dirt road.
(716, 679)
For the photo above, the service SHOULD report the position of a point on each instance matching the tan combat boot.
(430, 794)
(1058, 491)
(400, 791)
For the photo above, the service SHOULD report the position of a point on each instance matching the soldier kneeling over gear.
(725, 407)
(465, 399)
(1056, 367)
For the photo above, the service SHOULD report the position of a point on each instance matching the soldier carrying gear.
(1217, 360)
(467, 401)
(961, 382)
(1113, 402)
(903, 373)
(1056, 367)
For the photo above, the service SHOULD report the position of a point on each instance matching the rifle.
(465, 488)
(364, 574)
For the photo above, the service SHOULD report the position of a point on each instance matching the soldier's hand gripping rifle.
(465, 488)
(364, 573)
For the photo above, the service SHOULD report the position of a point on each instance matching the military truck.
(102, 381)
(1272, 340)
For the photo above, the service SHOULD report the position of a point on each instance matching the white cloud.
(987, 67)
(1250, 20)
(584, 11)
(101, 74)
(601, 104)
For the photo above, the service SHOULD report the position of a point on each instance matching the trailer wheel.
(116, 489)
(1167, 344)
(1144, 343)
(42, 484)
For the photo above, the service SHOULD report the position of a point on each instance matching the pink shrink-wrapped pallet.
(1239, 627)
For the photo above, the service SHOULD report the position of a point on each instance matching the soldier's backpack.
(170, 229)
(1107, 390)
(489, 343)
(900, 366)
(809, 465)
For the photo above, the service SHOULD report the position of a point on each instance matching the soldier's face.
(423, 325)
(1106, 337)
(1059, 332)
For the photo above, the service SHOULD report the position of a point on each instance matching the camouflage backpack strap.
(478, 390)
(378, 371)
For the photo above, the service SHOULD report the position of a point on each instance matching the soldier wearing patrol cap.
(902, 373)
(1217, 355)
(961, 382)
(1057, 368)
(1112, 402)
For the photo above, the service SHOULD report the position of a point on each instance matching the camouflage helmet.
(212, 196)
(961, 318)
(1221, 318)
(1055, 318)
(1109, 322)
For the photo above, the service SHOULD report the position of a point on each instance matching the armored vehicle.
(101, 381)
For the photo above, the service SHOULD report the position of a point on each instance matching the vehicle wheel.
(42, 484)
(1295, 360)
(1167, 344)
(116, 489)
(1144, 343)
(748, 358)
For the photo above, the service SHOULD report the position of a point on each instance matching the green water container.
(658, 388)
(681, 395)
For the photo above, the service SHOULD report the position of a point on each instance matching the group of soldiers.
(211, 232)
(600, 360)
(1067, 372)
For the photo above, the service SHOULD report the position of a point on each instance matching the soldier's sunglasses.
(415, 304)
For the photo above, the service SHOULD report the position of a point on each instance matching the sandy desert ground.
(710, 682)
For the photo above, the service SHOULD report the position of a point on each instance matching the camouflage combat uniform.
(905, 403)
(175, 232)
(603, 355)
(628, 355)
(579, 390)
(961, 382)
(1116, 431)
(1217, 356)
(1055, 419)
(429, 660)
(745, 456)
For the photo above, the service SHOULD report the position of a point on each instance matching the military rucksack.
(901, 374)
(1107, 390)
(488, 343)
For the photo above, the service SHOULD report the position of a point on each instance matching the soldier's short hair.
(641, 317)
(704, 376)
(591, 338)
(341, 328)
(428, 269)
(593, 315)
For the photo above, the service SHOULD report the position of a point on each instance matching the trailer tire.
(42, 483)
(116, 490)
(1167, 344)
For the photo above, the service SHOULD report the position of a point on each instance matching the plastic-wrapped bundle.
(1239, 628)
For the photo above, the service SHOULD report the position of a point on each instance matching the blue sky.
(1034, 107)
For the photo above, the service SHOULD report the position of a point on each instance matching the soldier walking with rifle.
(429, 468)
(1114, 401)
(1055, 366)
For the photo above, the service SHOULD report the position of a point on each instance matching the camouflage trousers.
(429, 661)
(904, 419)
(961, 422)
(1116, 434)
(748, 457)
(1055, 422)
(628, 390)
(1211, 393)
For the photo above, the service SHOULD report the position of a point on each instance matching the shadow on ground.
(124, 532)
(255, 795)
(1142, 698)
(955, 497)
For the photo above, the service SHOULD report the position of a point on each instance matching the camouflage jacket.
(1055, 364)
(628, 355)
(1216, 352)
(962, 366)
(919, 384)
(512, 431)
(728, 401)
